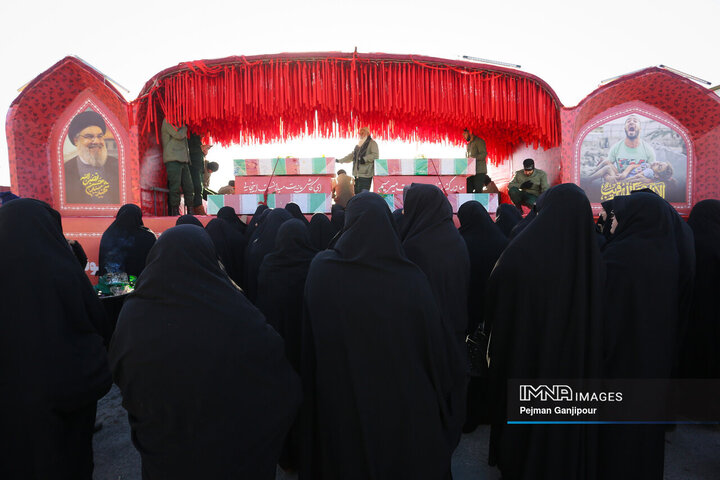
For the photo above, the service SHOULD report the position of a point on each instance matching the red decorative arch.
(38, 111)
(277, 97)
(693, 107)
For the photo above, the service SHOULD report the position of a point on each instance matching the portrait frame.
(58, 138)
(611, 117)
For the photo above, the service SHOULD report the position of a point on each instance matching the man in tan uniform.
(527, 185)
(176, 156)
(476, 149)
(363, 159)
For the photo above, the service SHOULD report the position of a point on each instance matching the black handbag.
(477, 345)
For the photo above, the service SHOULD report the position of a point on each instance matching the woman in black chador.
(432, 242)
(337, 217)
(228, 214)
(701, 352)
(53, 364)
(543, 319)
(260, 213)
(321, 231)
(261, 242)
(506, 217)
(485, 242)
(126, 243)
(230, 247)
(376, 365)
(188, 219)
(204, 378)
(642, 323)
(281, 285)
(295, 211)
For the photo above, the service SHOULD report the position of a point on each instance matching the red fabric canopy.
(278, 97)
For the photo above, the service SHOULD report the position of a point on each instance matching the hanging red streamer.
(276, 99)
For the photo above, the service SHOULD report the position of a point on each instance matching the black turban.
(84, 120)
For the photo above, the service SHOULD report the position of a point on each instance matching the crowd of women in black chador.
(337, 347)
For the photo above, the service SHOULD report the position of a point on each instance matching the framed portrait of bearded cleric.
(634, 148)
(89, 150)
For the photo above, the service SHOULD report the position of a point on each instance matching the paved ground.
(692, 452)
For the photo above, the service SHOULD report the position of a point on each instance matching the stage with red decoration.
(264, 98)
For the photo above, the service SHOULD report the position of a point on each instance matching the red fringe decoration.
(279, 98)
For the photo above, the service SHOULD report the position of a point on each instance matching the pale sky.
(572, 45)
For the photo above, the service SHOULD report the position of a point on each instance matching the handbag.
(477, 345)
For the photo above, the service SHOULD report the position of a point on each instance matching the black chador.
(337, 217)
(543, 319)
(53, 364)
(204, 378)
(432, 242)
(506, 217)
(188, 219)
(256, 219)
(260, 243)
(281, 286)
(321, 231)
(485, 242)
(295, 211)
(641, 323)
(228, 213)
(376, 365)
(126, 243)
(230, 246)
(701, 352)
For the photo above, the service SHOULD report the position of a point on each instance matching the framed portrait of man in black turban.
(91, 168)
